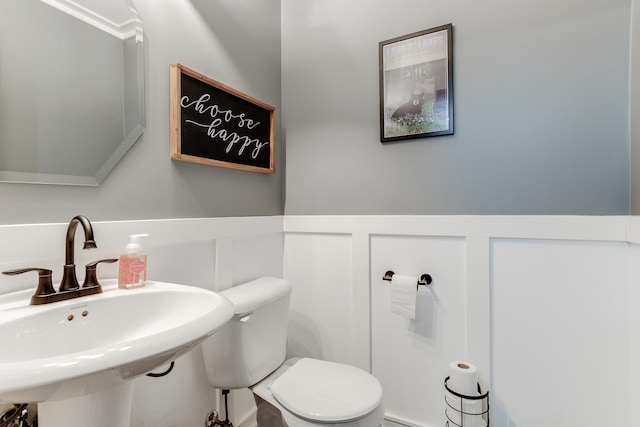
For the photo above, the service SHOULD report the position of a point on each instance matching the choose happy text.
(214, 120)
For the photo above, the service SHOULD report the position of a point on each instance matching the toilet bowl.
(249, 352)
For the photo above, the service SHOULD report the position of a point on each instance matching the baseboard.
(391, 420)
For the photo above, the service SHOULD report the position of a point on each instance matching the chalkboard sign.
(216, 125)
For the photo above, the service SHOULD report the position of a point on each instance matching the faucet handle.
(45, 287)
(91, 277)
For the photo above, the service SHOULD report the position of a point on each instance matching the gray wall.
(237, 43)
(541, 109)
(635, 112)
(541, 103)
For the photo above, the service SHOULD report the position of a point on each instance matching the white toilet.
(250, 350)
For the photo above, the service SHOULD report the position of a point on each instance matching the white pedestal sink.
(77, 357)
(107, 408)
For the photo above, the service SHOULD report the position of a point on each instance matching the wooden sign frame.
(214, 124)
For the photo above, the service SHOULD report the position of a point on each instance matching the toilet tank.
(254, 342)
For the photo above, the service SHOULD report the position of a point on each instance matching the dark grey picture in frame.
(416, 85)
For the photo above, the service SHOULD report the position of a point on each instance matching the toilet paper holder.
(424, 279)
(460, 412)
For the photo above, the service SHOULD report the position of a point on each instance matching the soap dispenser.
(132, 271)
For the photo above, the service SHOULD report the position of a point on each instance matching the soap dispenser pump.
(132, 272)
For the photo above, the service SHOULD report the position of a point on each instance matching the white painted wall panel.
(319, 268)
(560, 334)
(411, 357)
(585, 263)
(256, 256)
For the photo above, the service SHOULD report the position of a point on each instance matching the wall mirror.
(71, 89)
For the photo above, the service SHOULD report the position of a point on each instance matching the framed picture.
(214, 124)
(416, 85)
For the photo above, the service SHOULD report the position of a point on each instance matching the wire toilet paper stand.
(479, 417)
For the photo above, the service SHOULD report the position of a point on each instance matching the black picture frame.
(416, 85)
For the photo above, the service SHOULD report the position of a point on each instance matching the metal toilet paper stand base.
(455, 410)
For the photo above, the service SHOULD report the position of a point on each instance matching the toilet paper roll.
(404, 295)
(463, 378)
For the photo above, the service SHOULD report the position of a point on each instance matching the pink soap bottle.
(132, 272)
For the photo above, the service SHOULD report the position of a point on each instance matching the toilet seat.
(327, 392)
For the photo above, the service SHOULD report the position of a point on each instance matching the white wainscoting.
(210, 253)
(545, 306)
(560, 331)
(410, 357)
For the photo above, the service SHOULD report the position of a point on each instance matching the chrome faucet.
(69, 286)
(69, 280)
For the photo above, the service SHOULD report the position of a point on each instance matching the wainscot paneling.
(542, 305)
(212, 253)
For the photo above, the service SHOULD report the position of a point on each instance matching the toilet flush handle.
(243, 317)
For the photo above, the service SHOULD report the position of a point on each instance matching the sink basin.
(85, 345)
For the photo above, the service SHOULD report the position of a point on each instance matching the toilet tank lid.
(329, 392)
(252, 295)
